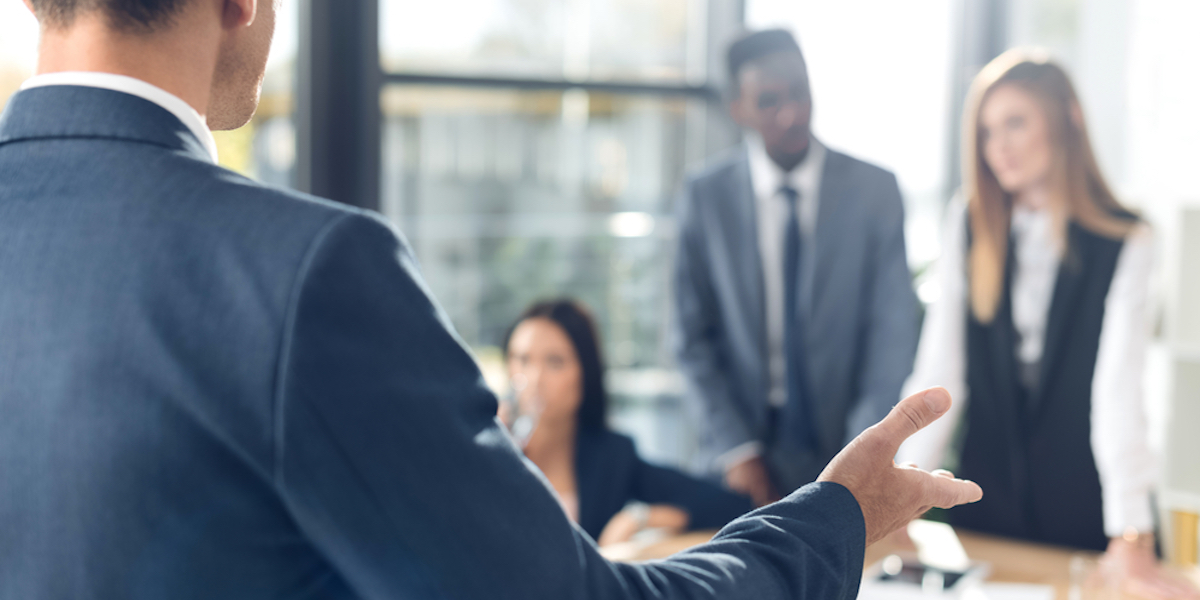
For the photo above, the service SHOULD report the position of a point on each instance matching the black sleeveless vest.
(1030, 449)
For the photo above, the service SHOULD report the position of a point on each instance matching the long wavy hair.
(1079, 195)
(576, 321)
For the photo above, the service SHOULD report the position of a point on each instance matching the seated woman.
(554, 361)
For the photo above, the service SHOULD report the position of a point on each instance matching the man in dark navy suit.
(214, 389)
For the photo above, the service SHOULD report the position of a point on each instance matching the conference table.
(1011, 561)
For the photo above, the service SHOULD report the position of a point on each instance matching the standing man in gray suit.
(214, 389)
(795, 316)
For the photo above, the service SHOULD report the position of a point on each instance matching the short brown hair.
(134, 16)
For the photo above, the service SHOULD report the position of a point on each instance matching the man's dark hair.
(132, 16)
(754, 46)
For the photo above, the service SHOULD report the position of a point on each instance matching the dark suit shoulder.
(872, 188)
(857, 170)
(270, 226)
(226, 192)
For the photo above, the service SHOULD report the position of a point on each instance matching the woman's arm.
(1120, 430)
(1119, 427)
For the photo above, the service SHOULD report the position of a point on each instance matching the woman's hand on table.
(1133, 560)
(627, 523)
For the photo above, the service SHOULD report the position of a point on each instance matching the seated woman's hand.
(627, 523)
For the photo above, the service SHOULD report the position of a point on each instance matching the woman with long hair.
(554, 359)
(1041, 330)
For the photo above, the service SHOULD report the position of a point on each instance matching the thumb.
(911, 415)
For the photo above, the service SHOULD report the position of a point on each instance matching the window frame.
(340, 80)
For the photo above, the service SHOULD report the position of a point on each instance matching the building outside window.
(513, 189)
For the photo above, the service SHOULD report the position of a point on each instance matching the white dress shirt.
(1119, 429)
(771, 213)
(134, 87)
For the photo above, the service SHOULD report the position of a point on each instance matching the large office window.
(511, 195)
(580, 39)
(531, 149)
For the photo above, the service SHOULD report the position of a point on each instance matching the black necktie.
(798, 423)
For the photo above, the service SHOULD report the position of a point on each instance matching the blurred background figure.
(554, 360)
(796, 319)
(1042, 329)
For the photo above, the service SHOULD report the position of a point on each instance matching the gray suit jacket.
(214, 389)
(859, 310)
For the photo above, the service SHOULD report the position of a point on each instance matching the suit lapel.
(740, 218)
(828, 234)
(1067, 288)
(588, 489)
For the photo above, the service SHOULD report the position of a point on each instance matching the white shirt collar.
(767, 177)
(134, 87)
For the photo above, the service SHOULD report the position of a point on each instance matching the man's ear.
(737, 110)
(237, 13)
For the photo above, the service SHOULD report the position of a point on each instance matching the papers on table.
(875, 590)
(941, 569)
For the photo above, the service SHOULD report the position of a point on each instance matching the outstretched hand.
(890, 496)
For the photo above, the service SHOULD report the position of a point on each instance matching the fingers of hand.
(944, 491)
(912, 414)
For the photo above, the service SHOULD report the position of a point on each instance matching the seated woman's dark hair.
(580, 327)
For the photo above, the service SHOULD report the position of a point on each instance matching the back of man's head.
(132, 16)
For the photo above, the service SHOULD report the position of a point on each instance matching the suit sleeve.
(697, 327)
(390, 459)
(891, 326)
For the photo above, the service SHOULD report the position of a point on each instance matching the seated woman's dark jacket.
(609, 474)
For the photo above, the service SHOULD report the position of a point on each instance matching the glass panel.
(18, 47)
(578, 39)
(508, 196)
